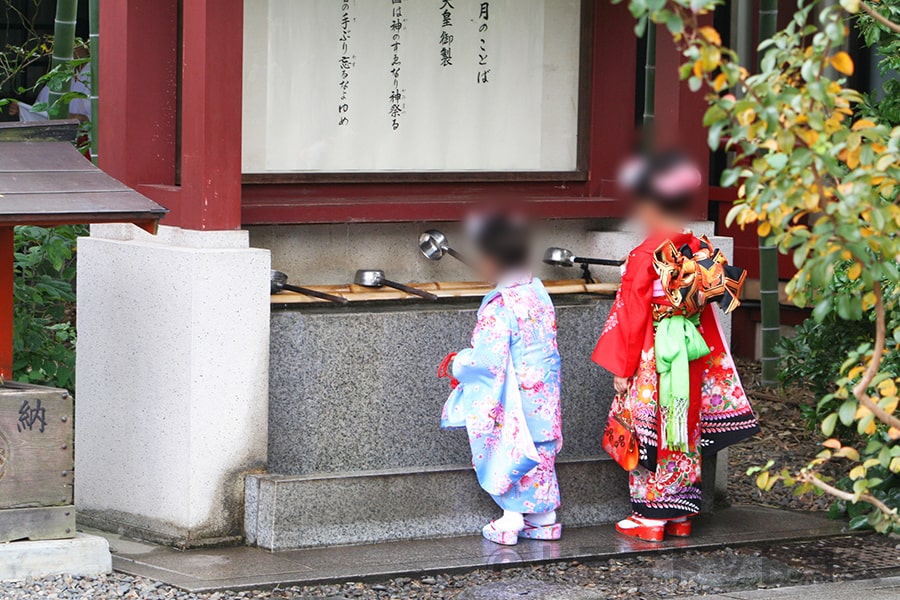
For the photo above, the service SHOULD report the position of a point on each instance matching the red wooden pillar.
(212, 81)
(679, 113)
(141, 120)
(6, 302)
(613, 95)
(138, 91)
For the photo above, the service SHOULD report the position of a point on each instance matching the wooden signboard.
(36, 463)
(423, 86)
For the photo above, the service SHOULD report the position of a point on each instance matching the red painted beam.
(383, 210)
(7, 278)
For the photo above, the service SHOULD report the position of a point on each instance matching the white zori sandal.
(541, 532)
(504, 538)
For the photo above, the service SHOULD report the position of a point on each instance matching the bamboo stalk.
(63, 51)
(95, 79)
(649, 86)
(770, 308)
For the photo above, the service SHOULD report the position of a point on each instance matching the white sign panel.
(410, 85)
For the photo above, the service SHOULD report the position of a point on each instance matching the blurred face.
(488, 269)
(654, 218)
(651, 216)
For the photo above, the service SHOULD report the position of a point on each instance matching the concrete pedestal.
(82, 556)
(172, 376)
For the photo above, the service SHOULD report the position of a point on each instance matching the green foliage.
(44, 330)
(16, 58)
(861, 514)
(815, 354)
(886, 110)
(875, 35)
(887, 46)
(44, 342)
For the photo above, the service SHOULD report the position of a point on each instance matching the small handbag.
(443, 371)
(619, 439)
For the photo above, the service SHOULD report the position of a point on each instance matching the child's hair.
(505, 240)
(667, 180)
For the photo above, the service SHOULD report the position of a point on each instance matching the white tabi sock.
(510, 521)
(630, 523)
(542, 519)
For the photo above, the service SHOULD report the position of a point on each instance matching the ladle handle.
(458, 256)
(410, 290)
(599, 261)
(315, 294)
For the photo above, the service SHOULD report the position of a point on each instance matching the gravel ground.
(785, 438)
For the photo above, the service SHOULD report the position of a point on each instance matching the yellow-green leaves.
(851, 6)
(842, 63)
(710, 35)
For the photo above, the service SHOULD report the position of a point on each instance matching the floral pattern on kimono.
(516, 323)
(666, 483)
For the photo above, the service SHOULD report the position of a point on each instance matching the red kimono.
(666, 483)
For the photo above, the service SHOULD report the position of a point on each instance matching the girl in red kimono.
(663, 343)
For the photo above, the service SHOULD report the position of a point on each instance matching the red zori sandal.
(678, 528)
(541, 532)
(504, 538)
(635, 527)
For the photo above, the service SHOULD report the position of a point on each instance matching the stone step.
(303, 511)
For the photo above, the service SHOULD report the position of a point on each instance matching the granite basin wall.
(356, 454)
(355, 389)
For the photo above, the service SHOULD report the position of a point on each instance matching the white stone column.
(172, 381)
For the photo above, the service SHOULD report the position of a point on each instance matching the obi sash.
(690, 281)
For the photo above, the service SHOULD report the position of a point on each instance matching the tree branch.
(861, 389)
(811, 478)
(879, 17)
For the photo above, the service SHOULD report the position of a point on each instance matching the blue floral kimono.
(508, 397)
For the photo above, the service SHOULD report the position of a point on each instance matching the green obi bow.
(677, 343)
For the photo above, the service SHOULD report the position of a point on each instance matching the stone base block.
(84, 555)
(285, 512)
(302, 511)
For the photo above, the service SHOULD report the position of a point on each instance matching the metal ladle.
(560, 257)
(374, 278)
(434, 246)
(279, 283)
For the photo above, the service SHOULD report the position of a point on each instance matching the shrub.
(44, 331)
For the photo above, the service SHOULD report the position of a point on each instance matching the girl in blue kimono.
(508, 390)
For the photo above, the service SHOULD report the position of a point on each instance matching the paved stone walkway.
(887, 588)
(244, 568)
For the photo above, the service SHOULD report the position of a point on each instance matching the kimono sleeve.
(620, 345)
(486, 359)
